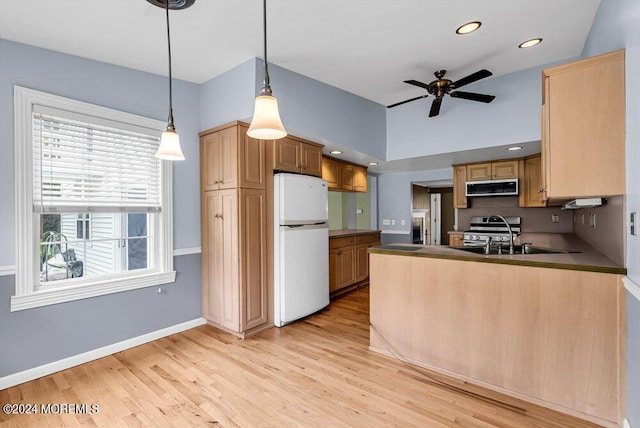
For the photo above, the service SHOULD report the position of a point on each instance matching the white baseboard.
(56, 366)
(626, 424)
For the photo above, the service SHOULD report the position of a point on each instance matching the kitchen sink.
(530, 249)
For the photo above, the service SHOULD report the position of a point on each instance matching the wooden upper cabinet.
(332, 172)
(459, 186)
(492, 170)
(343, 176)
(584, 115)
(504, 169)
(479, 171)
(293, 155)
(311, 159)
(287, 156)
(229, 159)
(531, 194)
(353, 178)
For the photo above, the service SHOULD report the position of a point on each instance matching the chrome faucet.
(511, 251)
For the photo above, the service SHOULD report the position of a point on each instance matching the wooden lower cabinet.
(456, 239)
(349, 260)
(234, 266)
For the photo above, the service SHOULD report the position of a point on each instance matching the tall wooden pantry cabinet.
(234, 229)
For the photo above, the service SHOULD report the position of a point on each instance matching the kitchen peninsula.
(545, 328)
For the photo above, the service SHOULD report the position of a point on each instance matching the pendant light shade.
(170, 141)
(266, 123)
(170, 146)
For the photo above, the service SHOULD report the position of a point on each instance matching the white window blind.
(88, 164)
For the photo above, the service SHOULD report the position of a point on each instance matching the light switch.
(386, 222)
(393, 222)
(555, 218)
(402, 222)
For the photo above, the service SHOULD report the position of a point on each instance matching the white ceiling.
(366, 47)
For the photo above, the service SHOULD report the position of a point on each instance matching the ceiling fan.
(443, 86)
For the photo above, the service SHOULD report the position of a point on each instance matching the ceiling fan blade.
(408, 101)
(417, 83)
(471, 78)
(473, 96)
(435, 107)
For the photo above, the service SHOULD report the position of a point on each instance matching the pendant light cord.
(170, 125)
(266, 88)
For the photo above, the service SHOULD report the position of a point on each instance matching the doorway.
(433, 214)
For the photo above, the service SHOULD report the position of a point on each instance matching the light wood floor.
(314, 373)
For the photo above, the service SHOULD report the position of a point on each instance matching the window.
(92, 198)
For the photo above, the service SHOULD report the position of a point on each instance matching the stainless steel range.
(482, 229)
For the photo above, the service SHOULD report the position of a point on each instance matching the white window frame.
(28, 293)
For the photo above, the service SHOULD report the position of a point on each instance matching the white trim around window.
(27, 270)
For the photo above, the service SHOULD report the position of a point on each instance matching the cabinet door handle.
(304, 167)
(339, 253)
(541, 191)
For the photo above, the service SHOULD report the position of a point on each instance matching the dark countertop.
(350, 232)
(586, 259)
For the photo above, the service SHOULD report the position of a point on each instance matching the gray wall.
(34, 337)
(228, 97)
(616, 27)
(42, 335)
(314, 110)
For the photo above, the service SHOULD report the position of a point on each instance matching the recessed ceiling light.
(373, 163)
(469, 27)
(336, 152)
(530, 43)
(514, 148)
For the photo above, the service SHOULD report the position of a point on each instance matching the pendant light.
(170, 141)
(266, 123)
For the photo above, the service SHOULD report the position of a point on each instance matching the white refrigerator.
(301, 253)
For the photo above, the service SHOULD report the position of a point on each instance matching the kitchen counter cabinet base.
(548, 336)
(349, 259)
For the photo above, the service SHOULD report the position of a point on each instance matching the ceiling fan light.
(469, 27)
(530, 43)
(170, 146)
(266, 123)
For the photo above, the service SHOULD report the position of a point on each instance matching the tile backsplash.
(533, 219)
(609, 232)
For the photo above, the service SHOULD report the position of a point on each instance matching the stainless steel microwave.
(508, 187)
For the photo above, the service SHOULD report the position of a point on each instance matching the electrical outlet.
(582, 220)
(592, 220)
(359, 211)
(402, 222)
(555, 218)
(633, 225)
(393, 222)
(386, 222)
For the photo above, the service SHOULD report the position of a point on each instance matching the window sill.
(85, 291)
